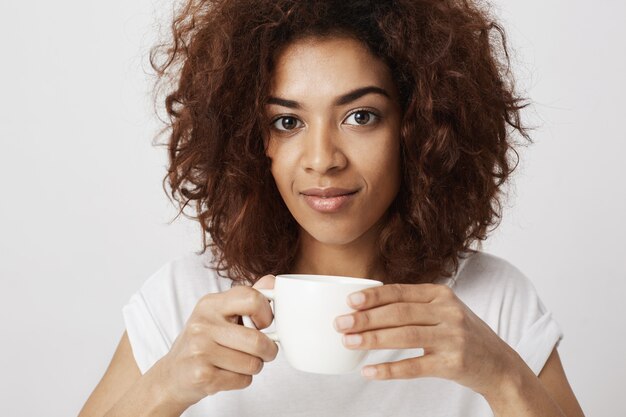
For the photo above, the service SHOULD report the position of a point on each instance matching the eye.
(363, 117)
(286, 124)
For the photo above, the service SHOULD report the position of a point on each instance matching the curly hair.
(460, 114)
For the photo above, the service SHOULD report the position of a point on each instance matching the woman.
(355, 138)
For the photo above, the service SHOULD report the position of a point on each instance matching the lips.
(329, 200)
(328, 192)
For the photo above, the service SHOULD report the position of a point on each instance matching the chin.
(334, 235)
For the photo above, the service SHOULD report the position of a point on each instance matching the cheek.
(280, 168)
(380, 166)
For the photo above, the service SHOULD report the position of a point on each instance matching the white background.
(84, 220)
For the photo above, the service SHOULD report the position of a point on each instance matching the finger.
(265, 282)
(246, 340)
(236, 361)
(390, 315)
(246, 301)
(394, 293)
(405, 337)
(421, 366)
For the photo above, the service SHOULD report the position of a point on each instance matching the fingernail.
(369, 372)
(344, 322)
(353, 339)
(357, 298)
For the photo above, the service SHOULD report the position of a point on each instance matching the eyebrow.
(339, 101)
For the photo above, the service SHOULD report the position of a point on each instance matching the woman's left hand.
(457, 344)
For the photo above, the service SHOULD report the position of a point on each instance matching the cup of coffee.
(305, 308)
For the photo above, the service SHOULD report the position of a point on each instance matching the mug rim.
(332, 279)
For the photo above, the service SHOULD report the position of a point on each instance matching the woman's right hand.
(213, 353)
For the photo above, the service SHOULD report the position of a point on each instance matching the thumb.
(265, 282)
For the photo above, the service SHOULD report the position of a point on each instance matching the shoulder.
(486, 275)
(175, 288)
(187, 275)
(501, 295)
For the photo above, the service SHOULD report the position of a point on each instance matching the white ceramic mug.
(305, 308)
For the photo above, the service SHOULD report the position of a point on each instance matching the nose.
(322, 149)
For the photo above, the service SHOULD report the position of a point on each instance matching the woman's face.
(335, 123)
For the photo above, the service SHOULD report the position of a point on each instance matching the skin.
(324, 145)
(214, 354)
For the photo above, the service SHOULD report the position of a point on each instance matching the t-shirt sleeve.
(532, 330)
(539, 341)
(146, 334)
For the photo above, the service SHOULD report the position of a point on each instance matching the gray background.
(84, 221)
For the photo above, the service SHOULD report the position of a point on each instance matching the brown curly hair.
(460, 112)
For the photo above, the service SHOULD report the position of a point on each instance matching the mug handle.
(247, 321)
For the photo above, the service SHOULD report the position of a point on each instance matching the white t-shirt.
(494, 289)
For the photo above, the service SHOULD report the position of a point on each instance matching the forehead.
(319, 67)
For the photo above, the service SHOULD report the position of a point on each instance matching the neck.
(358, 258)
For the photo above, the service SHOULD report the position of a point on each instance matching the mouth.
(328, 192)
(329, 204)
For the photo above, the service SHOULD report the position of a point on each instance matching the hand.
(213, 353)
(457, 344)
